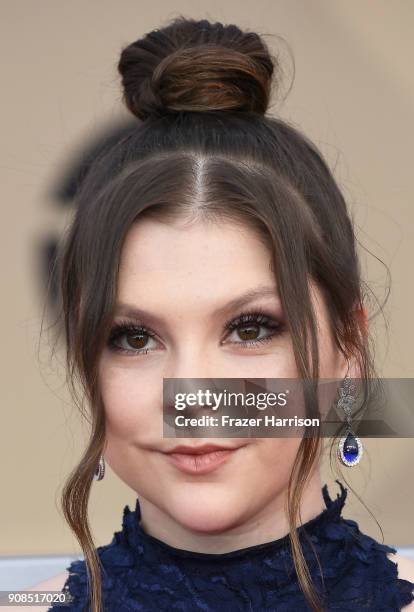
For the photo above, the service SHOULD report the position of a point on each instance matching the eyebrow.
(262, 291)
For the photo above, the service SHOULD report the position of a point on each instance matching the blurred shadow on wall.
(63, 193)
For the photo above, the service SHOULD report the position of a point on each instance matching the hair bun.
(196, 66)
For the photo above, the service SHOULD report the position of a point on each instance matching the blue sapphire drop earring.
(100, 469)
(350, 448)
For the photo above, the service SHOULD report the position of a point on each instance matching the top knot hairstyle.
(196, 66)
(205, 148)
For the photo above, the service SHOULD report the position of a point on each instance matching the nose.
(193, 362)
(191, 371)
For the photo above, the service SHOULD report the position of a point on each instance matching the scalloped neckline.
(136, 534)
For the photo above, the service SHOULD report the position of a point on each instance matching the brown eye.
(253, 329)
(131, 339)
(137, 341)
(248, 332)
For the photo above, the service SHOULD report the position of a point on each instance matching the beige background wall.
(353, 95)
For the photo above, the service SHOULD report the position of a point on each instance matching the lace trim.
(140, 571)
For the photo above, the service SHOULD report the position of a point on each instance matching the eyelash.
(257, 316)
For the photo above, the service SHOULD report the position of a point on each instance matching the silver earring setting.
(350, 447)
(100, 469)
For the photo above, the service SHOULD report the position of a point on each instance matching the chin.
(207, 511)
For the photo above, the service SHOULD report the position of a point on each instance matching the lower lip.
(200, 464)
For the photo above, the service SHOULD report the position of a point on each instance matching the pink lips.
(201, 460)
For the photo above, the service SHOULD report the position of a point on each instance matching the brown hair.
(205, 148)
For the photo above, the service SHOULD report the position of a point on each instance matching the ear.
(361, 313)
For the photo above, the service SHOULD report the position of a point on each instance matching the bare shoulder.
(55, 583)
(405, 571)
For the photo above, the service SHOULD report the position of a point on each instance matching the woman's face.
(183, 281)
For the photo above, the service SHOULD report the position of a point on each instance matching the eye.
(248, 327)
(248, 330)
(131, 339)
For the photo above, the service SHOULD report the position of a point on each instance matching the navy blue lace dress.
(146, 574)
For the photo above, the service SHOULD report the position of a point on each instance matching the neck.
(269, 524)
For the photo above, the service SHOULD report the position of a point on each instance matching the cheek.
(273, 459)
(270, 466)
(279, 363)
(130, 400)
(280, 452)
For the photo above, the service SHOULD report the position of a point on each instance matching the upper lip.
(199, 450)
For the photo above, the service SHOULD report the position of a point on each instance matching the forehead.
(194, 270)
(205, 255)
